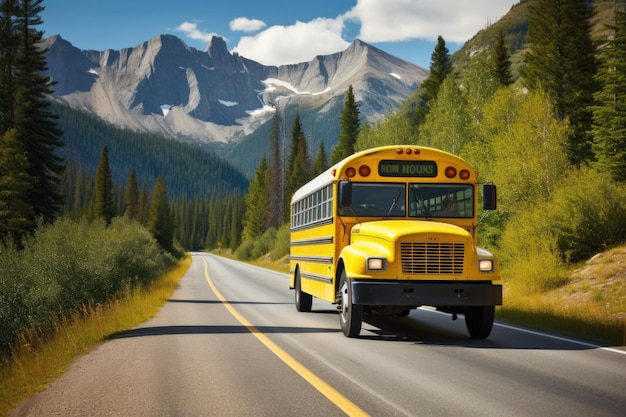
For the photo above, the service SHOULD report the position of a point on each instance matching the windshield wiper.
(394, 201)
(420, 203)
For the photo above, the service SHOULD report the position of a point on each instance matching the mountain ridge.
(213, 97)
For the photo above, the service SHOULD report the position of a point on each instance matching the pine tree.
(35, 124)
(275, 177)
(9, 45)
(440, 68)
(319, 165)
(257, 202)
(609, 115)
(131, 197)
(143, 209)
(15, 214)
(78, 195)
(161, 220)
(349, 125)
(301, 172)
(561, 62)
(104, 203)
(501, 60)
(296, 134)
(236, 221)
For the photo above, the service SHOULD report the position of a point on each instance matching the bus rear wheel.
(479, 321)
(304, 301)
(350, 315)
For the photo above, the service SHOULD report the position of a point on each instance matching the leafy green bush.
(529, 254)
(244, 251)
(588, 214)
(70, 264)
(282, 243)
(264, 244)
(13, 309)
(273, 242)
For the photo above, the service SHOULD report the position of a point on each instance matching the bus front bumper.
(412, 293)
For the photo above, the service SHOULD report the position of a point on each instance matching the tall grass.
(550, 311)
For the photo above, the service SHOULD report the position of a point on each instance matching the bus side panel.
(312, 252)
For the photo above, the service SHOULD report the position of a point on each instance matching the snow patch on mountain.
(271, 82)
(228, 103)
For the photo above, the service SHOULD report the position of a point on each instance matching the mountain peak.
(216, 47)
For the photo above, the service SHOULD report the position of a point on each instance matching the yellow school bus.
(391, 229)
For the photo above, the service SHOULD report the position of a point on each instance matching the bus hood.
(393, 230)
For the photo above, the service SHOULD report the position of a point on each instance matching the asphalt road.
(230, 343)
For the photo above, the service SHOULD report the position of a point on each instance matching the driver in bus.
(449, 207)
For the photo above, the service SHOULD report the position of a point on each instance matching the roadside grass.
(38, 360)
(590, 305)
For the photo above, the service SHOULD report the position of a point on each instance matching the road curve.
(230, 343)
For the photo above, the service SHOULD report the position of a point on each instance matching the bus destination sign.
(393, 168)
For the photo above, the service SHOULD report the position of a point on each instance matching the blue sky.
(275, 32)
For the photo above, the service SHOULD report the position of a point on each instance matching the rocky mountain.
(216, 98)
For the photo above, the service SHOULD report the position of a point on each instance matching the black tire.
(304, 301)
(350, 315)
(479, 321)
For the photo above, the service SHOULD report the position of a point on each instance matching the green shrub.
(529, 254)
(13, 309)
(282, 243)
(588, 214)
(263, 245)
(69, 264)
(244, 251)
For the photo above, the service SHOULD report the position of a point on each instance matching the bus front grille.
(432, 258)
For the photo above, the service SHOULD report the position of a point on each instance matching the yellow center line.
(329, 392)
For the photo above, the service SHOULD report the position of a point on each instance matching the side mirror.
(345, 194)
(489, 197)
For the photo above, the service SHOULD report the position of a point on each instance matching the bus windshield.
(425, 200)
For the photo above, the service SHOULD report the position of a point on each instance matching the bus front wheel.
(479, 321)
(350, 315)
(303, 299)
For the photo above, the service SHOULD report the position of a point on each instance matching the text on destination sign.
(391, 168)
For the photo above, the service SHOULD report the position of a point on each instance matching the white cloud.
(301, 42)
(400, 20)
(191, 31)
(379, 21)
(246, 25)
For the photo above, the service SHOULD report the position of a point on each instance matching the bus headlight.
(485, 265)
(376, 264)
